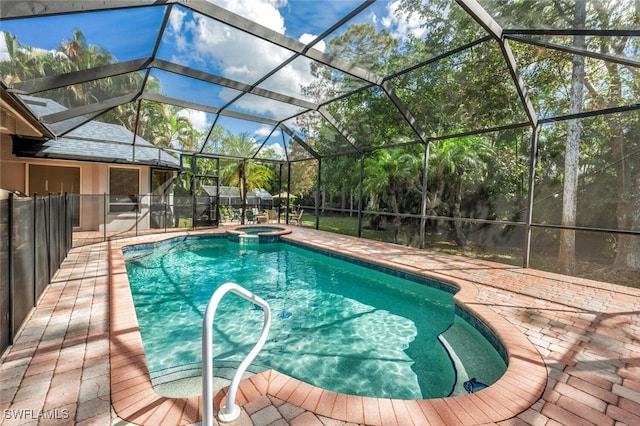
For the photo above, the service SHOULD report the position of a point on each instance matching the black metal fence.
(99, 217)
(102, 217)
(35, 237)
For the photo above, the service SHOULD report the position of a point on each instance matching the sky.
(205, 44)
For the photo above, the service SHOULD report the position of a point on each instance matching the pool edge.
(134, 399)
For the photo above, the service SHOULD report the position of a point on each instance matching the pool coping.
(135, 400)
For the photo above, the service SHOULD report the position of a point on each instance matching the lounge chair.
(272, 216)
(297, 218)
(251, 217)
(233, 215)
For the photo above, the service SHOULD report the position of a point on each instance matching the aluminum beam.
(302, 143)
(232, 84)
(327, 116)
(477, 12)
(97, 107)
(413, 123)
(57, 81)
(205, 108)
(16, 9)
(574, 31)
(575, 51)
(154, 97)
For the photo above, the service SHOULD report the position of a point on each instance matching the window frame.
(124, 203)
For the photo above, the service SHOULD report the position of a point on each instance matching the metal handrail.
(230, 411)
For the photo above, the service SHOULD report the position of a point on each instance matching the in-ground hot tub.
(257, 233)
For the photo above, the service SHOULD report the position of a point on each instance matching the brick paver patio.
(67, 365)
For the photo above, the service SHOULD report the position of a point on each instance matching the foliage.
(243, 174)
(485, 176)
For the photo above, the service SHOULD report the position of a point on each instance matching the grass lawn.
(440, 241)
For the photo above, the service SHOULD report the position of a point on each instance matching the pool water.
(337, 325)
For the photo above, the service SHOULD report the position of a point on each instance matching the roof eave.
(17, 119)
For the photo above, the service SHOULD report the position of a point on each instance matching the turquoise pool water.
(336, 325)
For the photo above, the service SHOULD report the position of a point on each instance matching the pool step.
(470, 361)
(248, 239)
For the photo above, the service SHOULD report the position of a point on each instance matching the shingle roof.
(93, 141)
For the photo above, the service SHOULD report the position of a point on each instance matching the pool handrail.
(230, 411)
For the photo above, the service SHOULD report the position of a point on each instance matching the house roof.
(93, 141)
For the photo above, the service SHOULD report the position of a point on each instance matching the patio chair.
(272, 216)
(251, 217)
(233, 215)
(297, 219)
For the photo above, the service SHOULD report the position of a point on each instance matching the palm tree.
(451, 162)
(245, 175)
(388, 174)
(26, 63)
(175, 131)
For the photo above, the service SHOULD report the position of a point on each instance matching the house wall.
(11, 169)
(94, 183)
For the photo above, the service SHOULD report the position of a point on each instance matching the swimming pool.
(338, 325)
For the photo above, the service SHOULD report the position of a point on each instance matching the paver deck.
(574, 348)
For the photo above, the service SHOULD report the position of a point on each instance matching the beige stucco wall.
(94, 183)
(11, 169)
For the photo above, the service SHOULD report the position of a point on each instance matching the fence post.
(35, 248)
(65, 237)
(11, 270)
(104, 216)
(137, 211)
(62, 227)
(49, 242)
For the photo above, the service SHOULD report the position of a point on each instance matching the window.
(124, 186)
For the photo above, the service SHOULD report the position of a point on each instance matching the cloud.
(198, 119)
(210, 45)
(4, 52)
(265, 131)
(278, 149)
(264, 12)
(275, 140)
(308, 38)
(176, 20)
(402, 24)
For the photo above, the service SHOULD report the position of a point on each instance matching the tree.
(567, 255)
(241, 173)
(175, 131)
(388, 174)
(607, 84)
(452, 163)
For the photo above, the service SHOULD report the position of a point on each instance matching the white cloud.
(198, 119)
(5, 56)
(279, 150)
(223, 50)
(308, 38)
(176, 19)
(402, 24)
(275, 139)
(264, 12)
(265, 131)
(4, 52)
